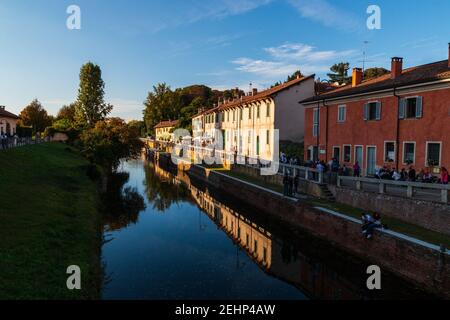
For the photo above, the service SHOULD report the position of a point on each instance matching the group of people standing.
(290, 184)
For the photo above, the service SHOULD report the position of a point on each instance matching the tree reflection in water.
(121, 205)
(162, 189)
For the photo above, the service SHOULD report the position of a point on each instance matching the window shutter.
(366, 112)
(378, 110)
(402, 109)
(419, 107)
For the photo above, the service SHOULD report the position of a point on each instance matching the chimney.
(255, 91)
(2, 107)
(449, 54)
(298, 76)
(357, 77)
(396, 67)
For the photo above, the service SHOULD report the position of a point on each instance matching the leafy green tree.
(340, 73)
(34, 115)
(138, 127)
(375, 72)
(161, 104)
(67, 112)
(110, 141)
(90, 105)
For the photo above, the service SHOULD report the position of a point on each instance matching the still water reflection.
(185, 241)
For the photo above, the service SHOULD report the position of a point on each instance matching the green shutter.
(419, 107)
(402, 109)
(366, 111)
(378, 111)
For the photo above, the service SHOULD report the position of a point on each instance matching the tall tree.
(90, 105)
(34, 115)
(375, 72)
(340, 73)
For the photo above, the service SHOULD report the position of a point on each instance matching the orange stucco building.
(395, 120)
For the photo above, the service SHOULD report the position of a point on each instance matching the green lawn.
(49, 220)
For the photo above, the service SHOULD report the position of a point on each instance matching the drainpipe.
(397, 138)
(318, 132)
(326, 134)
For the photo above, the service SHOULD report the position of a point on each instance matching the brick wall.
(425, 267)
(430, 215)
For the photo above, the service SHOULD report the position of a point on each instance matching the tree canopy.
(34, 115)
(375, 72)
(339, 73)
(90, 104)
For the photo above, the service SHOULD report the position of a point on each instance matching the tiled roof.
(6, 114)
(411, 76)
(166, 124)
(263, 94)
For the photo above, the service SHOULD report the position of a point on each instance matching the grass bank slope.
(49, 220)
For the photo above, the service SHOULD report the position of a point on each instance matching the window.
(316, 123)
(241, 114)
(433, 154)
(247, 242)
(268, 111)
(234, 115)
(249, 112)
(265, 254)
(409, 152)
(347, 153)
(372, 111)
(268, 137)
(258, 108)
(337, 153)
(228, 116)
(255, 245)
(411, 108)
(389, 152)
(342, 113)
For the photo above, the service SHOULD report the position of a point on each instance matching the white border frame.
(342, 106)
(343, 153)
(367, 157)
(426, 153)
(361, 164)
(340, 153)
(395, 151)
(403, 152)
(406, 108)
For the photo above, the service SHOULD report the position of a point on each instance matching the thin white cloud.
(305, 53)
(126, 109)
(327, 14)
(287, 58)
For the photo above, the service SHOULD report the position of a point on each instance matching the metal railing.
(15, 142)
(413, 190)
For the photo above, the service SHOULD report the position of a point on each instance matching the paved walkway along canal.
(194, 243)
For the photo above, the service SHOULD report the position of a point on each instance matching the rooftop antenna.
(364, 60)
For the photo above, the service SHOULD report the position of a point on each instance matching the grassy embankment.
(49, 220)
(394, 224)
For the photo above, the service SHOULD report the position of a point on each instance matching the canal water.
(171, 237)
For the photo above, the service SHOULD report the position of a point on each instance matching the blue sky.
(220, 43)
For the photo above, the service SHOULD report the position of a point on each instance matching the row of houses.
(397, 120)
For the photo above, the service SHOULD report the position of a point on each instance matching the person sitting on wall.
(356, 170)
(412, 174)
(370, 223)
(444, 175)
(396, 176)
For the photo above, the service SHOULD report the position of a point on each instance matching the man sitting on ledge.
(370, 223)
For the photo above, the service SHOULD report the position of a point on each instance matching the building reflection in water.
(317, 269)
